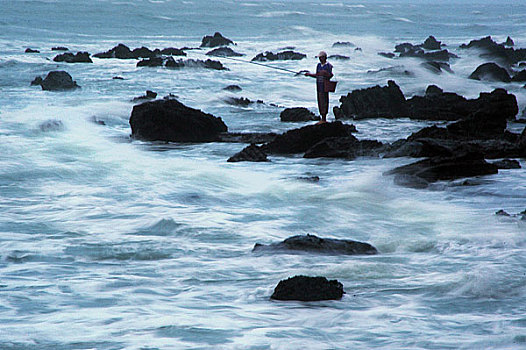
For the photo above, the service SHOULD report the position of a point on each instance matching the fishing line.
(261, 64)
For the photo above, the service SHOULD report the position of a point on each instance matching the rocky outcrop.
(520, 76)
(345, 148)
(122, 51)
(284, 55)
(490, 72)
(297, 114)
(300, 140)
(432, 44)
(150, 95)
(56, 81)
(172, 51)
(339, 57)
(238, 101)
(216, 40)
(314, 244)
(80, 57)
(37, 81)
(343, 44)
(170, 120)
(437, 67)
(224, 52)
(430, 50)
(151, 62)
(234, 88)
(170, 62)
(252, 153)
(59, 48)
(491, 49)
(374, 102)
(30, 50)
(507, 164)
(304, 288)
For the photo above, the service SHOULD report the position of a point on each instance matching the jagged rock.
(502, 213)
(284, 55)
(120, 51)
(150, 95)
(387, 54)
(59, 48)
(144, 52)
(431, 43)
(447, 168)
(30, 50)
(345, 147)
(151, 62)
(224, 52)
(300, 140)
(509, 42)
(339, 57)
(191, 63)
(437, 67)
(238, 101)
(232, 88)
(80, 57)
(490, 72)
(297, 114)
(172, 51)
(304, 288)
(117, 78)
(343, 44)
(170, 120)
(507, 164)
(519, 77)
(216, 40)
(37, 81)
(314, 244)
(58, 80)
(250, 153)
(506, 55)
(374, 102)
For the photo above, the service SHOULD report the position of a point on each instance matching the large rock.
(172, 51)
(224, 52)
(80, 57)
(490, 72)
(170, 120)
(58, 80)
(431, 43)
(300, 140)
(446, 168)
(297, 114)
(120, 51)
(252, 153)
(314, 244)
(374, 102)
(505, 55)
(284, 55)
(520, 76)
(191, 63)
(304, 288)
(345, 147)
(216, 40)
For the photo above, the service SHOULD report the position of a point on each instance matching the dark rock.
(144, 52)
(170, 120)
(172, 51)
(118, 78)
(490, 48)
(284, 55)
(509, 42)
(490, 72)
(80, 57)
(314, 244)
(375, 102)
(150, 95)
(309, 178)
(234, 137)
(304, 288)
(216, 40)
(51, 125)
(387, 54)
(339, 57)
(58, 80)
(37, 81)
(120, 51)
(151, 62)
(437, 67)
(97, 121)
(59, 48)
(502, 213)
(300, 140)
(191, 63)
(238, 101)
(250, 153)
(345, 147)
(30, 50)
(358, 49)
(232, 88)
(410, 181)
(519, 77)
(297, 114)
(431, 43)
(343, 44)
(224, 52)
(508, 164)
(447, 168)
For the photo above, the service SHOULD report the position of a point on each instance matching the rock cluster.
(80, 57)
(284, 55)
(122, 51)
(216, 40)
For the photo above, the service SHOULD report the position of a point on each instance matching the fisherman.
(322, 75)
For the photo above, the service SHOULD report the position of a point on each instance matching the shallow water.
(113, 243)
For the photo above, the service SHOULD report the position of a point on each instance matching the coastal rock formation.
(224, 52)
(239, 101)
(297, 114)
(345, 147)
(150, 95)
(314, 244)
(490, 72)
(343, 44)
(284, 55)
(30, 50)
(151, 62)
(170, 62)
(122, 51)
(430, 50)
(507, 164)
(437, 67)
(252, 153)
(37, 81)
(56, 81)
(59, 48)
(339, 57)
(80, 57)
(520, 76)
(172, 51)
(170, 120)
(216, 40)
(305, 288)
(490, 49)
(431, 43)
(234, 88)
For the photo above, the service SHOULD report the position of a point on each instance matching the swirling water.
(113, 243)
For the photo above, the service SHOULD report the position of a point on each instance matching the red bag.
(330, 86)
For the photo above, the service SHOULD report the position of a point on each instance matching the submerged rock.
(252, 153)
(30, 50)
(304, 288)
(120, 51)
(284, 55)
(58, 80)
(345, 147)
(170, 120)
(37, 81)
(343, 44)
(314, 244)
(490, 72)
(507, 164)
(59, 48)
(520, 76)
(51, 125)
(232, 88)
(339, 57)
(216, 40)
(239, 101)
(80, 57)
(224, 52)
(150, 95)
(297, 114)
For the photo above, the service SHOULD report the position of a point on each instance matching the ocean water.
(112, 243)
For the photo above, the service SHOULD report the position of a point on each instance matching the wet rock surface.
(224, 52)
(215, 40)
(56, 81)
(493, 50)
(284, 55)
(79, 57)
(490, 72)
(297, 114)
(252, 153)
(305, 288)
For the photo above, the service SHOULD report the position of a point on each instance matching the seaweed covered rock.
(170, 120)
(297, 114)
(490, 72)
(80, 57)
(305, 288)
(284, 55)
(252, 153)
(216, 40)
(58, 80)
(314, 244)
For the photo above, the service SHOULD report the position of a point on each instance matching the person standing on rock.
(323, 74)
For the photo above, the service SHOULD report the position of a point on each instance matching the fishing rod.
(264, 65)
